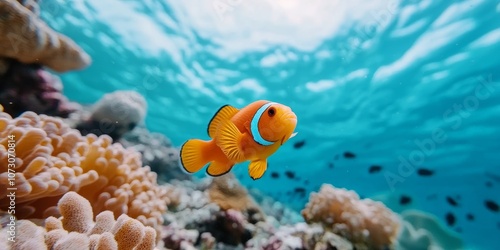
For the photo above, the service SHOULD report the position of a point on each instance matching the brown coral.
(78, 231)
(52, 159)
(228, 193)
(364, 222)
(26, 38)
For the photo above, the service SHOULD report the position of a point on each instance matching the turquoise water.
(401, 85)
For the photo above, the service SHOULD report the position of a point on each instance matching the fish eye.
(271, 111)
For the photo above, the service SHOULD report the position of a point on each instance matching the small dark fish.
(275, 175)
(306, 182)
(450, 219)
(299, 190)
(425, 172)
(451, 201)
(330, 165)
(489, 184)
(491, 205)
(299, 144)
(290, 174)
(470, 217)
(374, 169)
(495, 177)
(404, 199)
(349, 155)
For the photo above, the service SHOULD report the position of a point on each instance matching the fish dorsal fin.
(226, 112)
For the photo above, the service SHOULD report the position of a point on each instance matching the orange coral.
(228, 193)
(365, 222)
(52, 159)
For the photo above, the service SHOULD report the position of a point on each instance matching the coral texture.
(228, 193)
(365, 222)
(157, 152)
(52, 159)
(26, 87)
(199, 223)
(76, 229)
(298, 236)
(26, 38)
(115, 114)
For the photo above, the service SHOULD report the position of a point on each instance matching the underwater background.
(397, 100)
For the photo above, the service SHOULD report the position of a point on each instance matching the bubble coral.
(76, 229)
(365, 222)
(52, 159)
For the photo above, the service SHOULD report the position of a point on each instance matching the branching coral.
(364, 222)
(76, 229)
(27, 39)
(52, 159)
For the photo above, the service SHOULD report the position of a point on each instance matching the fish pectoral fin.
(217, 169)
(257, 168)
(226, 112)
(229, 141)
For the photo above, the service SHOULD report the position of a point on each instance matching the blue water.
(376, 79)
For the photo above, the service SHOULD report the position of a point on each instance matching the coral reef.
(276, 210)
(156, 149)
(198, 222)
(157, 152)
(76, 229)
(27, 87)
(27, 39)
(27, 44)
(366, 223)
(52, 159)
(298, 236)
(114, 114)
(228, 193)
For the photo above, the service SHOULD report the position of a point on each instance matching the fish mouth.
(286, 138)
(283, 140)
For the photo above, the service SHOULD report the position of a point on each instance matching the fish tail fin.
(195, 155)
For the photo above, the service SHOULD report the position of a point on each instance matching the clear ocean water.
(408, 86)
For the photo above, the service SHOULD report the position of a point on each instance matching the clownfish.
(252, 133)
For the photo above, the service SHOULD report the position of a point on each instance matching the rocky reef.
(28, 50)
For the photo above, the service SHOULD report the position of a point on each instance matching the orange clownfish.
(252, 133)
